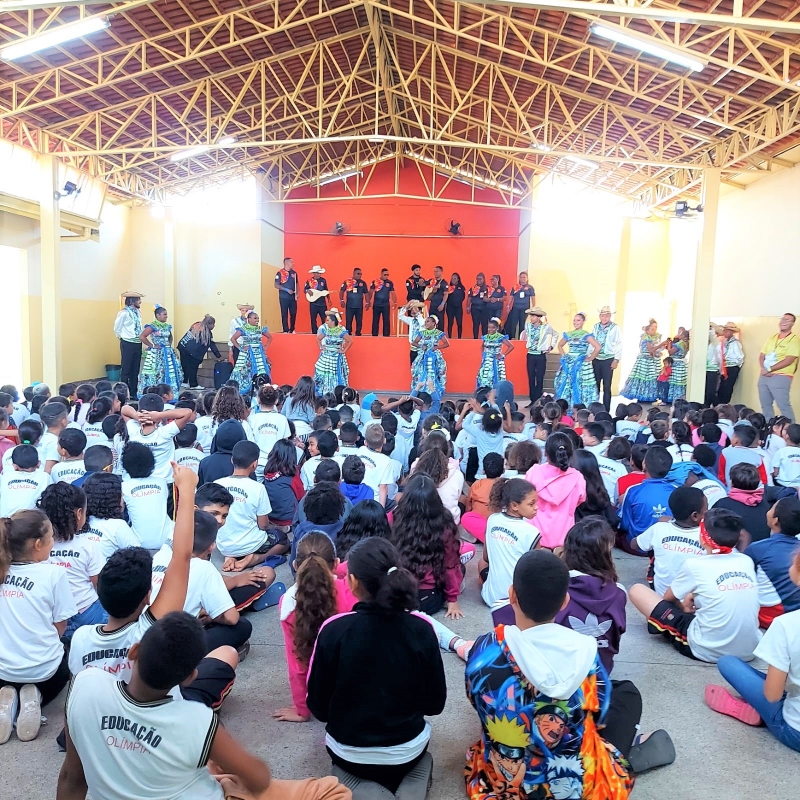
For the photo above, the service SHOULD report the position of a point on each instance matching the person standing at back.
(521, 298)
(609, 336)
(415, 284)
(286, 284)
(476, 305)
(351, 295)
(778, 362)
(318, 303)
(381, 295)
(128, 329)
(437, 294)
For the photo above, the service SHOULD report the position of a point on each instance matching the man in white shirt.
(609, 336)
(732, 355)
(711, 607)
(23, 484)
(378, 471)
(128, 329)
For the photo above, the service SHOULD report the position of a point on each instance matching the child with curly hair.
(104, 513)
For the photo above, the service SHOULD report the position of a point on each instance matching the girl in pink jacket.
(317, 595)
(561, 489)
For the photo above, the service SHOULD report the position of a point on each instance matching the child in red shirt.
(663, 380)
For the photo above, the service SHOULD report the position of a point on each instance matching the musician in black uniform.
(351, 294)
(496, 299)
(436, 289)
(381, 295)
(317, 307)
(415, 285)
(286, 284)
(476, 305)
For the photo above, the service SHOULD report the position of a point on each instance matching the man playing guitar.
(316, 291)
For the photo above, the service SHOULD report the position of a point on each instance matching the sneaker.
(270, 597)
(465, 558)
(184, 386)
(9, 706)
(463, 649)
(197, 387)
(30, 713)
(719, 699)
(243, 651)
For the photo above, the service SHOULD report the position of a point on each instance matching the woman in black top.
(496, 299)
(454, 304)
(376, 673)
(192, 348)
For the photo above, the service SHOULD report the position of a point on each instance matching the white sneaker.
(30, 714)
(184, 386)
(9, 706)
(197, 387)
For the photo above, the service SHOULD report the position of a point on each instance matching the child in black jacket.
(375, 674)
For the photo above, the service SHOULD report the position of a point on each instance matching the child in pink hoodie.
(561, 489)
(317, 595)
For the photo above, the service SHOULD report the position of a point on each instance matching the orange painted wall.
(383, 365)
(396, 232)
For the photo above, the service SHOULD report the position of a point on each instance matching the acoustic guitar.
(312, 295)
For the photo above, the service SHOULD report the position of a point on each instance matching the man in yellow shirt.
(778, 361)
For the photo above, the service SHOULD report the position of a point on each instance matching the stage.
(383, 364)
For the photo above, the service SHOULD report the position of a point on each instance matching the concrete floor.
(715, 753)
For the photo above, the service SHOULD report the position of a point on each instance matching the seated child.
(613, 465)
(743, 449)
(188, 453)
(75, 551)
(382, 651)
(35, 604)
(348, 439)
(477, 511)
(379, 472)
(55, 418)
(662, 384)
(509, 534)
(631, 426)
(710, 435)
(636, 474)
(317, 594)
(97, 458)
(329, 471)
(268, 425)
(324, 510)
(71, 444)
(246, 539)
(104, 514)
(596, 601)
(673, 541)
(396, 468)
(282, 482)
(23, 484)
(645, 503)
(582, 418)
(701, 619)
(145, 496)
(659, 433)
(327, 445)
(772, 698)
(593, 439)
(773, 557)
(7, 442)
(540, 712)
(352, 485)
(786, 461)
(29, 432)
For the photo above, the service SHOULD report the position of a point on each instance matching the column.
(621, 291)
(50, 217)
(272, 254)
(170, 295)
(703, 280)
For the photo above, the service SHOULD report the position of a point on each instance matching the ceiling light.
(376, 139)
(54, 37)
(543, 147)
(201, 148)
(651, 48)
(582, 162)
(339, 176)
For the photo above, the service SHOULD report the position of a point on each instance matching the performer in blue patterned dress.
(642, 383)
(331, 369)
(161, 361)
(429, 371)
(496, 346)
(678, 349)
(575, 381)
(252, 360)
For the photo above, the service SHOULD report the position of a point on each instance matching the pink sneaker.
(463, 649)
(719, 699)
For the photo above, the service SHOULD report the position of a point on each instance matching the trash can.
(113, 372)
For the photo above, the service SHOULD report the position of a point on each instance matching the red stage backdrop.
(396, 232)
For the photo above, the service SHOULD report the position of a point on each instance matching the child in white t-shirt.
(75, 551)
(104, 511)
(378, 470)
(327, 444)
(145, 427)
(673, 541)
(71, 444)
(22, 484)
(100, 410)
(786, 461)
(244, 539)
(509, 534)
(711, 608)
(55, 417)
(145, 496)
(188, 452)
(773, 698)
(35, 604)
(268, 425)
